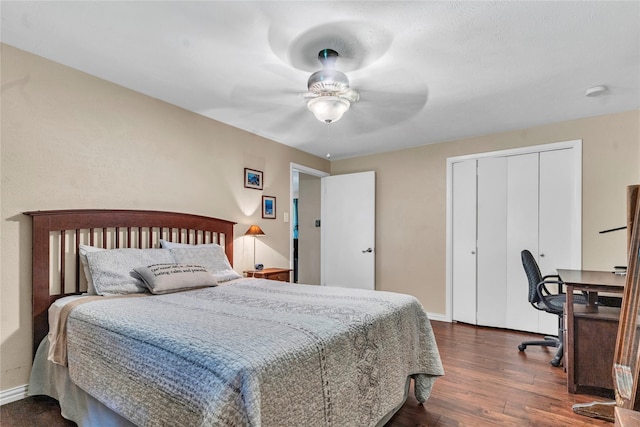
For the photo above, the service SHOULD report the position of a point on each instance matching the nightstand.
(281, 274)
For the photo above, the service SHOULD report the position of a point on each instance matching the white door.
(463, 241)
(558, 228)
(522, 229)
(492, 241)
(557, 212)
(348, 230)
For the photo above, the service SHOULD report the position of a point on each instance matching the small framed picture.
(268, 207)
(253, 179)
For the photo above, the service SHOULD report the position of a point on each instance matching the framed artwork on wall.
(268, 207)
(253, 179)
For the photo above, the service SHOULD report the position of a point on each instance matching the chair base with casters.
(549, 341)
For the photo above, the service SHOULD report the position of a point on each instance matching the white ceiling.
(427, 72)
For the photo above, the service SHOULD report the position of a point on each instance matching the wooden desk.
(590, 331)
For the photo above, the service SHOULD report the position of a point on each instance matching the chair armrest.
(558, 281)
(543, 292)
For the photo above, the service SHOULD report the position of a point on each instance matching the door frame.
(295, 167)
(576, 145)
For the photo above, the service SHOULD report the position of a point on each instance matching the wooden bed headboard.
(58, 233)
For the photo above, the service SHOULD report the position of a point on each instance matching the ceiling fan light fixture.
(328, 109)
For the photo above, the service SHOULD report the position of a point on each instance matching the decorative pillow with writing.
(112, 271)
(165, 278)
(210, 257)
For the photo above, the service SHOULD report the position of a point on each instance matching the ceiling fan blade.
(286, 73)
(385, 77)
(249, 96)
(288, 119)
(374, 99)
(382, 109)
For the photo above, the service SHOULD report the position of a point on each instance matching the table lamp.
(254, 231)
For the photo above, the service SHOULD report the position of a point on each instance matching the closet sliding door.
(463, 262)
(492, 241)
(557, 210)
(557, 229)
(522, 229)
(500, 204)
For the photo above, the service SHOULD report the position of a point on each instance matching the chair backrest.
(533, 275)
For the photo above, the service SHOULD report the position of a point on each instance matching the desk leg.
(592, 300)
(568, 341)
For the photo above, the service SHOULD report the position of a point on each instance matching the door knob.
(541, 255)
(368, 250)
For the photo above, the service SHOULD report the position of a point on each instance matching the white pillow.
(82, 252)
(165, 278)
(210, 256)
(112, 271)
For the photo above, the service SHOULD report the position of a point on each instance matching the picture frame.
(268, 207)
(253, 179)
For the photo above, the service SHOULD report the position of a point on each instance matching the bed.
(195, 352)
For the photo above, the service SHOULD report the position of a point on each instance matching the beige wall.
(70, 140)
(411, 198)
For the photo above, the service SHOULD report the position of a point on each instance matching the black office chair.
(541, 299)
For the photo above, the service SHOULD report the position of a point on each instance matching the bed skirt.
(53, 380)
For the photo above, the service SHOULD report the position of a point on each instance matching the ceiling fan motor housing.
(328, 80)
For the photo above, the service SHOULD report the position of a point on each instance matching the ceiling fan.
(329, 95)
(386, 93)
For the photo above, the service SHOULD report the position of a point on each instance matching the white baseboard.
(13, 394)
(438, 317)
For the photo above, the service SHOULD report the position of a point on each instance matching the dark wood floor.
(488, 382)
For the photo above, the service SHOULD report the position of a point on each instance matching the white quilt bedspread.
(254, 353)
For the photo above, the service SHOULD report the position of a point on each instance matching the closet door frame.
(575, 145)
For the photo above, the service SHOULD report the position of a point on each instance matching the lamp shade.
(254, 230)
(328, 109)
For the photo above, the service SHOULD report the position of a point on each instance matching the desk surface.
(588, 278)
